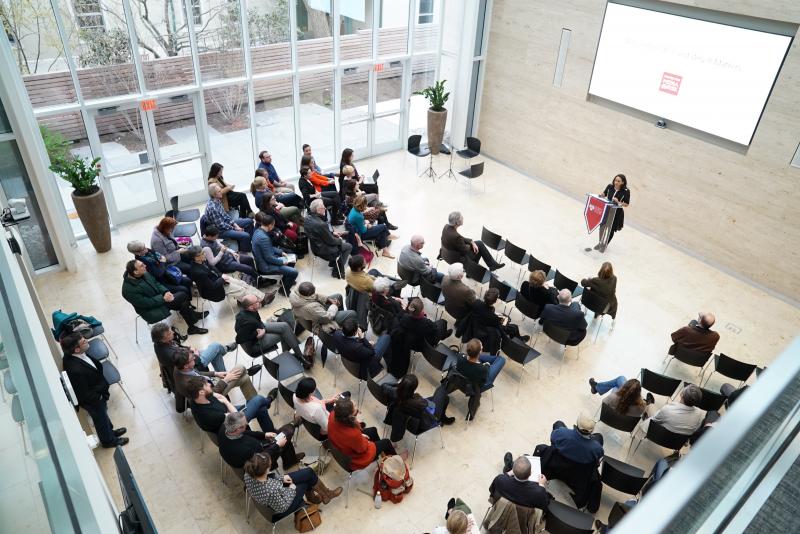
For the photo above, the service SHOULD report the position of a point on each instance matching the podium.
(599, 213)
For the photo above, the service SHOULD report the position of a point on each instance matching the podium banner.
(595, 212)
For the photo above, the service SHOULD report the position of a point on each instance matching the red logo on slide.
(670, 83)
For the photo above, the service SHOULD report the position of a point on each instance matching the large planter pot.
(436, 122)
(94, 217)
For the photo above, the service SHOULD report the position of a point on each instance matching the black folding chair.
(472, 150)
(410, 277)
(710, 400)
(507, 293)
(597, 305)
(432, 293)
(330, 345)
(560, 336)
(345, 463)
(537, 265)
(521, 353)
(419, 151)
(474, 171)
(441, 357)
(618, 421)
(413, 425)
(731, 368)
(695, 358)
(493, 241)
(527, 308)
(662, 437)
(562, 282)
(564, 519)
(622, 476)
(477, 273)
(516, 255)
(658, 384)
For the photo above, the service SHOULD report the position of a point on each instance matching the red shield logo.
(594, 213)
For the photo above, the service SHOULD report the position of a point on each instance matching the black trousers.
(238, 200)
(484, 253)
(381, 445)
(181, 304)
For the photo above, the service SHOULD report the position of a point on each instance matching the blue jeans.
(102, 423)
(243, 237)
(304, 479)
(382, 344)
(290, 274)
(379, 233)
(604, 387)
(439, 277)
(213, 354)
(258, 408)
(496, 364)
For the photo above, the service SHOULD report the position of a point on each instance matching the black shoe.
(649, 399)
(266, 282)
(230, 347)
(120, 431)
(593, 385)
(508, 461)
(390, 226)
(525, 338)
(448, 333)
(199, 316)
(335, 274)
(445, 420)
(497, 266)
(254, 369)
(273, 394)
(268, 298)
(450, 505)
(196, 330)
(119, 443)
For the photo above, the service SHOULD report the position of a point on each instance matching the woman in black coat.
(429, 412)
(484, 324)
(415, 329)
(535, 290)
(618, 193)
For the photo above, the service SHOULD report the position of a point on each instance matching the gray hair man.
(566, 315)
(458, 296)
(465, 247)
(681, 416)
(258, 337)
(215, 286)
(412, 265)
(324, 241)
(237, 443)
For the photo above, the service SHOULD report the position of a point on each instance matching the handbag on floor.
(308, 520)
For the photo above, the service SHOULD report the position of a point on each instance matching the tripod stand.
(450, 172)
(429, 172)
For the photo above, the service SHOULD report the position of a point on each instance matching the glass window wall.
(314, 32)
(274, 118)
(268, 26)
(316, 115)
(228, 117)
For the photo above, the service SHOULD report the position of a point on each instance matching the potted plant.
(437, 114)
(90, 203)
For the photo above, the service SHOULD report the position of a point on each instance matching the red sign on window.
(147, 105)
(670, 83)
(379, 67)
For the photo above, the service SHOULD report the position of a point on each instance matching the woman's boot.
(325, 493)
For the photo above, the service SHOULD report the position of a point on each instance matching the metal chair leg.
(347, 491)
(519, 385)
(413, 451)
(126, 394)
(598, 328)
(136, 328)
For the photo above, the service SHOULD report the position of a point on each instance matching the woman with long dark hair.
(362, 445)
(429, 412)
(618, 193)
(625, 395)
(347, 159)
(230, 199)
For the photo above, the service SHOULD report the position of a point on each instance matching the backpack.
(78, 326)
(392, 479)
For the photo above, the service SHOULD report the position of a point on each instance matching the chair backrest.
(474, 271)
(515, 349)
(563, 519)
(173, 202)
(412, 277)
(612, 418)
(474, 144)
(378, 392)
(538, 265)
(556, 333)
(110, 372)
(266, 512)
(526, 307)
(429, 290)
(490, 239)
(213, 437)
(359, 302)
(413, 142)
(437, 359)
(622, 476)
(658, 384)
(727, 366)
(354, 368)
(695, 358)
(287, 394)
(449, 256)
(341, 458)
(315, 430)
(711, 400)
(456, 312)
(592, 301)
(272, 367)
(328, 341)
(514, 253)
(476, 169)
(661, 436)
(563, 282)
(501, 286)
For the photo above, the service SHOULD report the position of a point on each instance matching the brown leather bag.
(309, 351)
(308, 520)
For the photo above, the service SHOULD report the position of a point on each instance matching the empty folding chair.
(477, 273)
(441, 357)
(507, 293)
(622, 476)
(564, 519)
(474, 171)
(493, 241)
(562, 282)
(472, 150)
(433, 294)
(112, 376)
(521, 353)
(597, 305)
(536, 265)
(658, 384)
(560, 336)
(516, 255)
(731, 368)
(329, 344)
(410, 277)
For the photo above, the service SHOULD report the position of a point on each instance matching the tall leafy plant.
(435, 95)
(80, 173)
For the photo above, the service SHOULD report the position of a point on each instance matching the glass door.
(387, 115)
(356, 109)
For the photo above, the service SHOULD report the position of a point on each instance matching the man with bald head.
(697, 335)
(412, 260)
(256, 336)
(566, 314)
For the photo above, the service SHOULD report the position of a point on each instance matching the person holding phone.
(618, 193)
(237, 443)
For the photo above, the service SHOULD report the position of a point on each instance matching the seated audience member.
(290, 204)
(239, 230)
(474, 250)
(162, 242)
(365, 282)
(289, 228)
(625, 395)
(224, 259)
(271, 259)
(347, 161)
(382, 298)
(681, 416)
(91, 388)
(712, 416)
(429, 412)
(330, 199)
(572, 457)
(353, 346)
(325, 313)
(415, 329)
(153, 302)
(697, 335)
(311, 408)
(538, 290)
(323, 241)
(362, 445)
(209, 407)
(515, 485)
(484, 324)
(369, 232)
(221, 381)
(257, 337)
(375, 211)
(285, 495)
(318, 180)
(459, 519)
(215, 286)
(230, 199)
(411, 259)
(478, 367)
(457, 295)
(167, 347)
(567, 315)
(157, 266)
(237, 443)
(307, 153)
(604, 285)
(265, 162)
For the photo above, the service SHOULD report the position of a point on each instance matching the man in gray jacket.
(412, 260)
(323, 241)
(322, 312)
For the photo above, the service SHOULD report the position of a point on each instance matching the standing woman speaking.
(618, 193)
